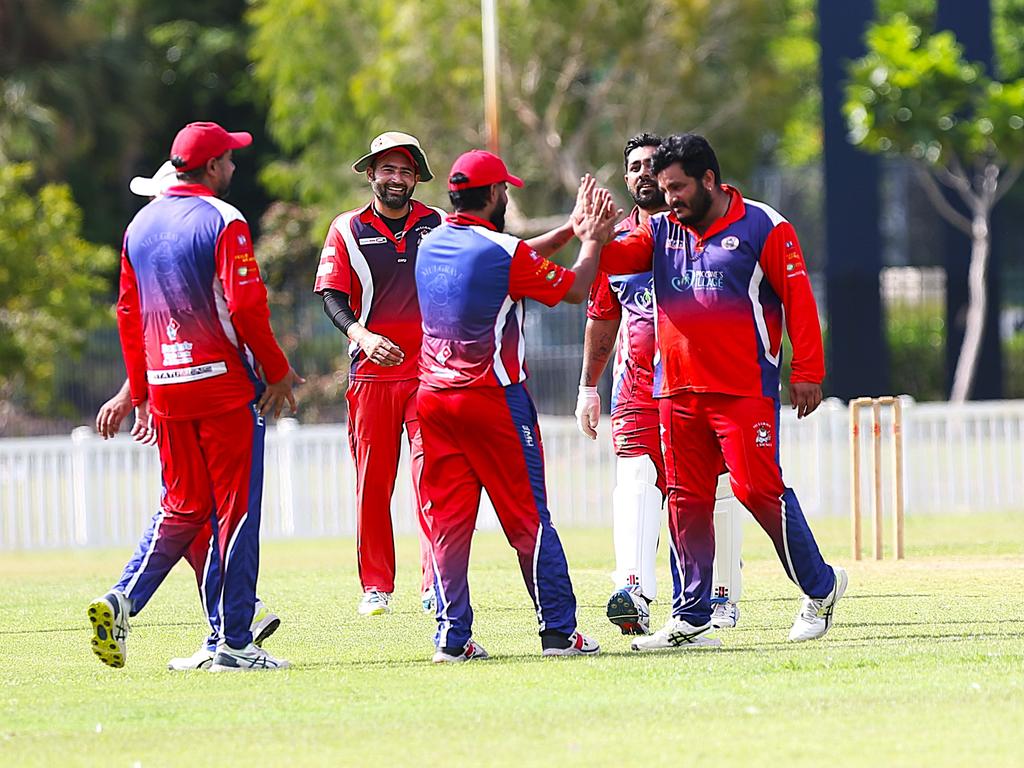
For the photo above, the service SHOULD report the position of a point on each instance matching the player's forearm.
(585, 270)
(338, 308)
(598, 343)
(253, 324)
(551, 242)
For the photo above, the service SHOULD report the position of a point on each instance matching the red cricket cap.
(198, 142)
(482, 169)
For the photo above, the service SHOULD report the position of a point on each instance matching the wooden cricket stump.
(877, 468)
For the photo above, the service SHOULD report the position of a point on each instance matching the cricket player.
(478, 422)
(366, 280)
(202, 555)
(195, 332)
(620, 314)
(728, 274)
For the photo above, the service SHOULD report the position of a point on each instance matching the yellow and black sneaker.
(109, 618)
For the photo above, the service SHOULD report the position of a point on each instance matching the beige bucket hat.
(396, 140)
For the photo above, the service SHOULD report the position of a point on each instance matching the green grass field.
(924, 666)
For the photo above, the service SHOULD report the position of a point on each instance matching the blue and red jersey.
(629, 300)
(192, 312)
(472, 281)
(722, 298)
(363, 258)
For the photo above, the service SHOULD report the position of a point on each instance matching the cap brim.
(143, 186)
(239, 139)
(515, 181)
(360, 165)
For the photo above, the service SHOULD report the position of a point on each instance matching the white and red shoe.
(577, 644)
(472, 652)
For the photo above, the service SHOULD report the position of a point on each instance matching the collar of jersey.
(190, 190)
(631, 222)
(464, 219)
(736, 211)
(417, 211)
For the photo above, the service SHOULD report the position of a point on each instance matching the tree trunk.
(970, 350)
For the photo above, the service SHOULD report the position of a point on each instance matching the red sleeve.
(632, 254)
(129, 328)
(334, 270)
(246, 297)
(533, 276)
(603, 303)
(783, 263)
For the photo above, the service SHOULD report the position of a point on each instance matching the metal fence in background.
(81, 491)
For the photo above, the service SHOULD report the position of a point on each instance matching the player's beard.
(497, 217)
(648, 198)
(391, 198)
(698, 208)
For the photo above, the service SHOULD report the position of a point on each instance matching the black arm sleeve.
(337, 308)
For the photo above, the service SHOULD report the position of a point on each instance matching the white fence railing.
(83, 491)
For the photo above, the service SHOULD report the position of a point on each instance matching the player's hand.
(586, 188)
(805, 397)
(280, 392)
(588, 411)
(381, 350)
(144, 428)
(599, 216)
(112, 413)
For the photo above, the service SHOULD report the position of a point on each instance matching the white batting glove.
(588, 411)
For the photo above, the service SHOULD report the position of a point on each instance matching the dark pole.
(972, 24)
(857, 350)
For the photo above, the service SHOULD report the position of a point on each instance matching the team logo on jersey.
(242, 240)
(550, 276)
(763, 434)
(441, 285)
(644, 298)
(699, 280)
(172, 329)
(731, 243)
(422, 231)
(243, 271)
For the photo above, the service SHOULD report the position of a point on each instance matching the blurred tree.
(914, 95)
(50, 283)
(94, 90)
(578, 77)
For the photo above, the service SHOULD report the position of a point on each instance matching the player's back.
(472, 328)
(195, 364)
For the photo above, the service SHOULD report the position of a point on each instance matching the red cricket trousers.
(377, 413)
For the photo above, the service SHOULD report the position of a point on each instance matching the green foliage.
(1013, 361)
(915, 94)
(1008, 38)
(577, 78)
(917, 350)
(50, 283)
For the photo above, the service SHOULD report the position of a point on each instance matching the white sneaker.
(630, 611)
(201, 659)
(472, 652)
(725, 615)
(109, 618)
(252, 658)
(815, 616)
(428, 601)
(375, 603)
(579, 645)
(677, 634)
(264, 623)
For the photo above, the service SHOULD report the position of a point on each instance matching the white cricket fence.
(82, 491)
